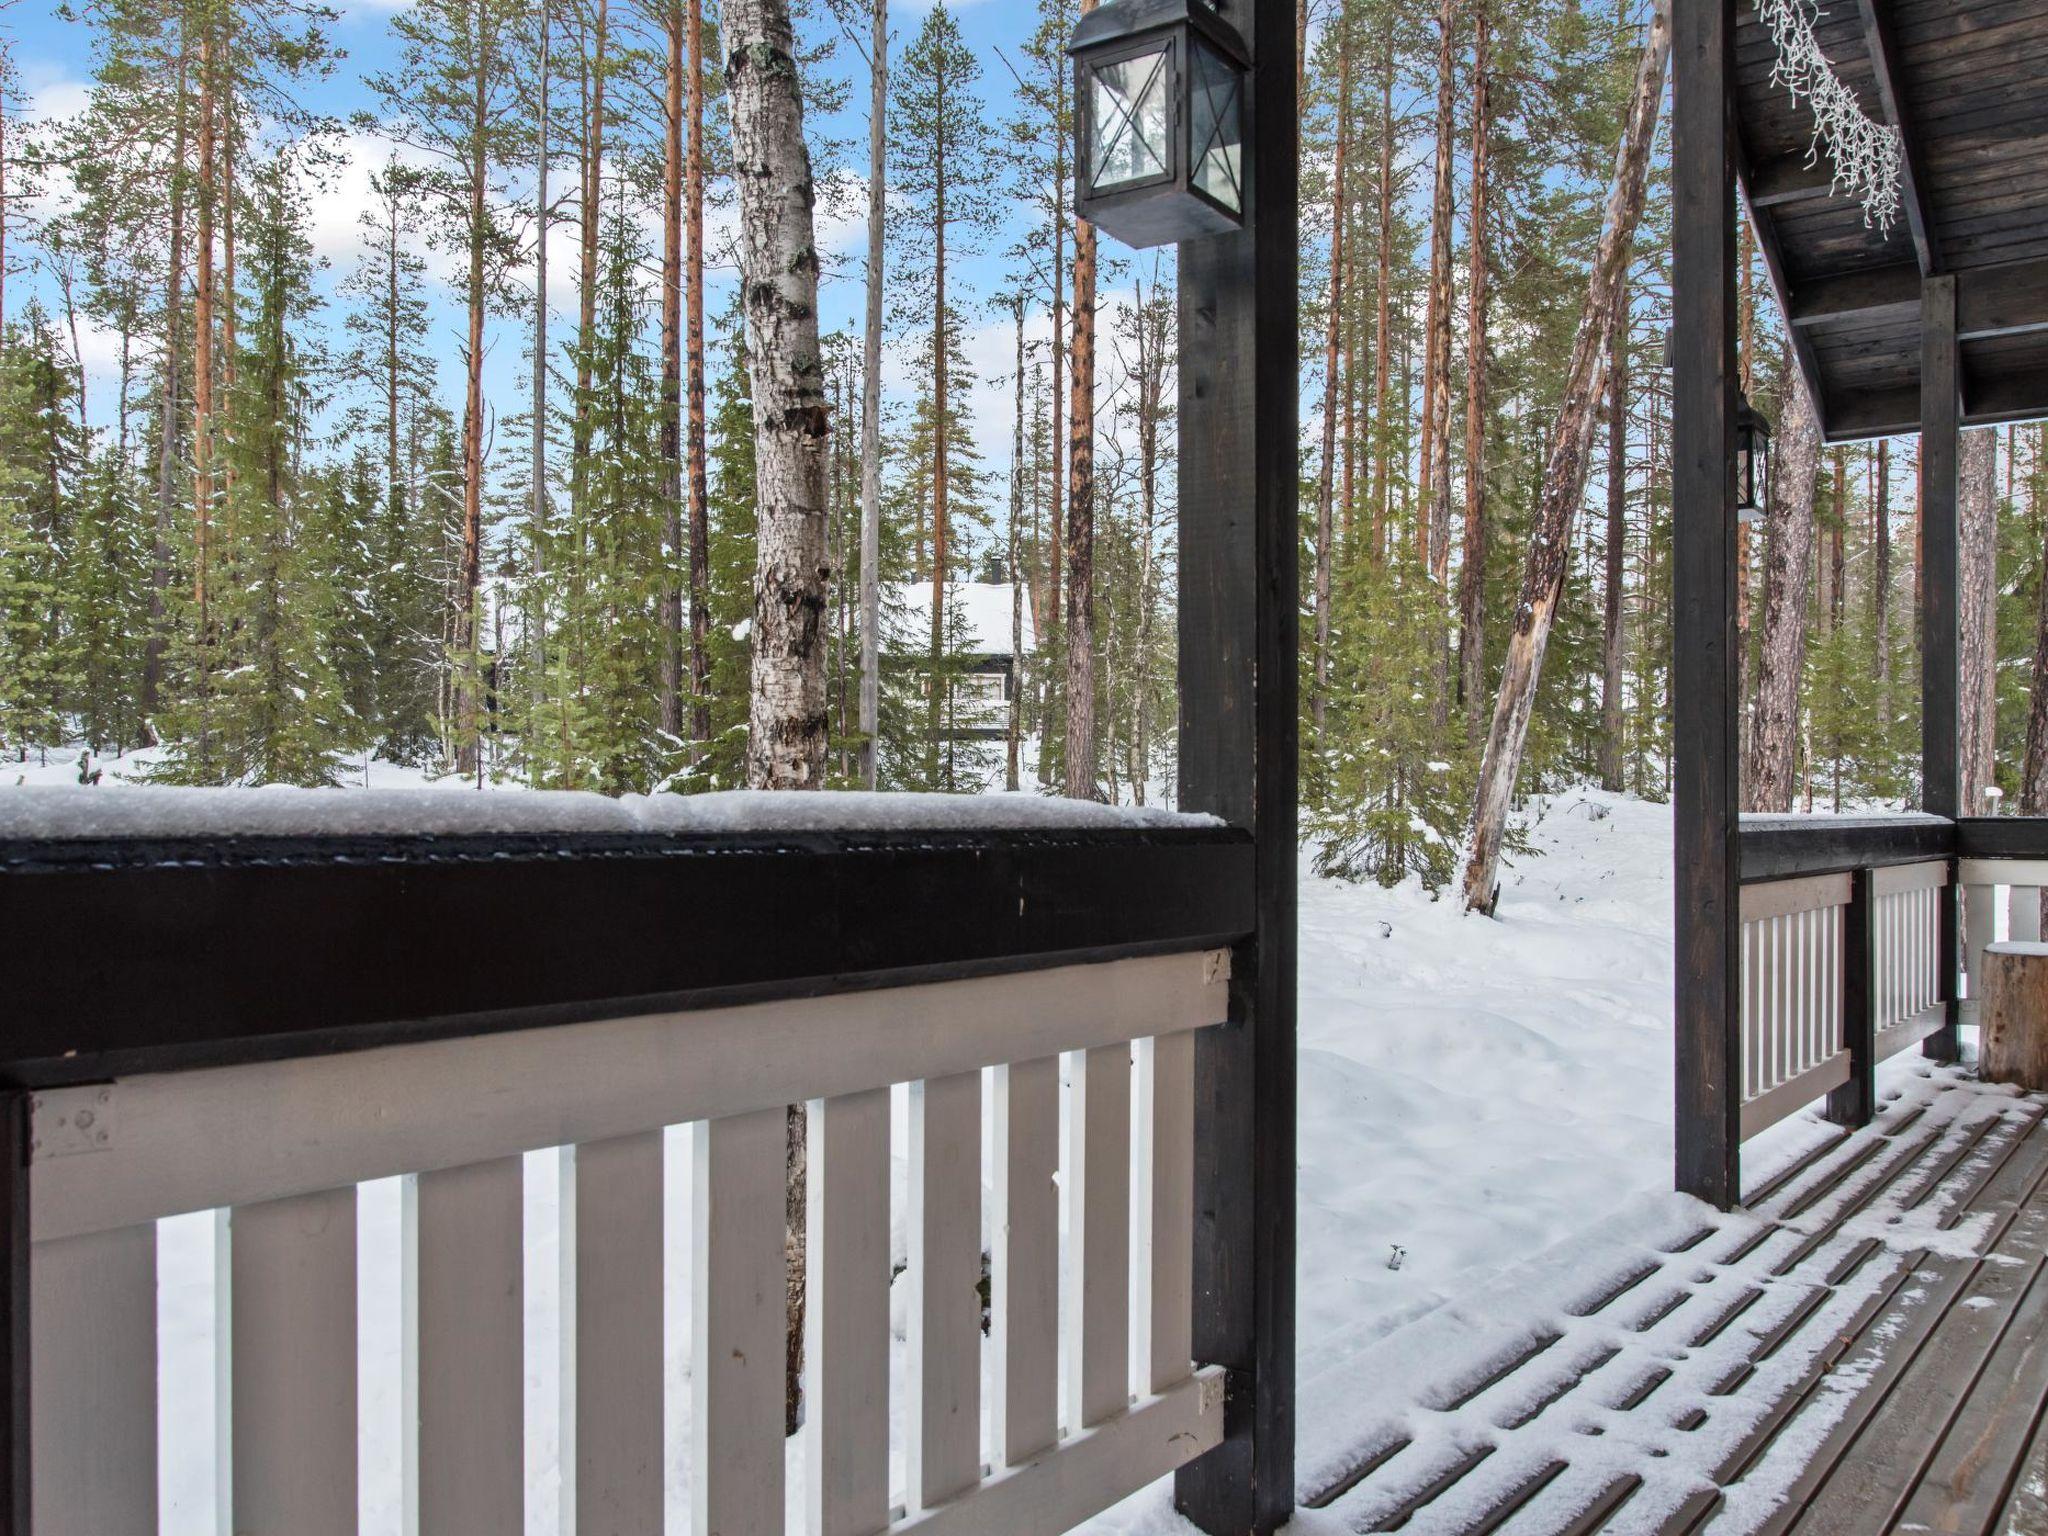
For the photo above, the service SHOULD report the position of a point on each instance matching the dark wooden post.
(1239, 475)
(1941, 419)
(1704, 681)
(1856, 1100)
(14, 1327)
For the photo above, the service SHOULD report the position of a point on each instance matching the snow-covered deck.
(1858, 1350)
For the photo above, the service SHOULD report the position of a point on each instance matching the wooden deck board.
(1871, 1355)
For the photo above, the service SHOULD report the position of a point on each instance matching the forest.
(374, 399)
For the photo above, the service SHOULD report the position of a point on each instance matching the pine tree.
(40, 458)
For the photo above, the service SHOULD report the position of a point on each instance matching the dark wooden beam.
(1705, 674)
(1765, 227)
(2007, 299)
(1239, 477)
(1789, 179)
(1855, 1101)
(1988, 402)
(1884, 62)
(1786, 847)
(1941, 420)
(195, 942)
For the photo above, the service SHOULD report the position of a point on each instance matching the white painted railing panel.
(292, 1379)
(92, 1384)
(1907, 930)
(281, 1147)
(1791, 996)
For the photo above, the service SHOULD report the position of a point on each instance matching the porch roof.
(1959, 79)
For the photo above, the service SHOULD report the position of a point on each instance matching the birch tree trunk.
(1564, 474)
(1977, 515)
(693, 386)
(1788, 567)
(787, 719)
(871, 402)
(1013, 733)
(779, 278)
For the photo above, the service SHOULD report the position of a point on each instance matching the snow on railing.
(1089, 1398)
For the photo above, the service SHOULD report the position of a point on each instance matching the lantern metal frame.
(1169, 205)
(1752, 461)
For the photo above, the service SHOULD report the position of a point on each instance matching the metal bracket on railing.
(71, 1121)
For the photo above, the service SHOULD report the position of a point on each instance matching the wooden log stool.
(2012, 1043)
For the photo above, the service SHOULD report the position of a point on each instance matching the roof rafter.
(2002, 300)
(1884, 62)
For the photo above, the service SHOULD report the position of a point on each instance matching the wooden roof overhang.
(1966, 83)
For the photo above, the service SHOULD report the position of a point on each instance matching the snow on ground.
(1476, 1095)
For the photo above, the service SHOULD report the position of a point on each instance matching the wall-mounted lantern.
(1752, 461)
(1159, 119)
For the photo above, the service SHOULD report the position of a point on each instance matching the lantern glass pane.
(1216, 127)
(1128, 108)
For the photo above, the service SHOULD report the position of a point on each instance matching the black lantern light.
(1752, 461)
(1159, 121)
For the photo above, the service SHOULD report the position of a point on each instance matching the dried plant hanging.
(1866, 155)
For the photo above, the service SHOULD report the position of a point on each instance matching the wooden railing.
(1841, 957)
(283, 1145)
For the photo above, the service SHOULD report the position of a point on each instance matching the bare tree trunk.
(1383, 350)
(672, 112)
(1612, 634)
(1472, 578)
(168, 413)
(2034, 771)
(871, 402)
(1838, 574)
(1781, 647)
(1080, 754)
(536, 618)
(1433, 531)
(700, 489)
(1977, 510)
(1013, 733)
(203, 364)
(941, 686)
(1564, 474)
(1881, 581)
(467, 703)
(1326, 486)
(589, 228)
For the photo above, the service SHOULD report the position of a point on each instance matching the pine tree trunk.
(1326, 486)
(1781, 645)
(467, 703)
(1564, 474)
(590, 219)
(940, 693)
(1838, 573)
(1013, 732)
(203, 361)
(2034, 770)
(1881, 582)
(1382, 349)
(537, 466)
(168, 413)
(693, 298)
(1977, 602)
(871, 403)
(672, 641)
(1612, 633)
(1472, 578)
(1080, 783)
(1433, 531)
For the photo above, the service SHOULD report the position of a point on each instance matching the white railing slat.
(1098, 1335)
(2024, 923)
(92, 1384)
(1166, 1190)
(945, 1298)
(292, 1266)
(1024, 1230)
(739, 1306)
(468, 1355)
(846, 1317)
(195, 1140)
(617, 1360)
